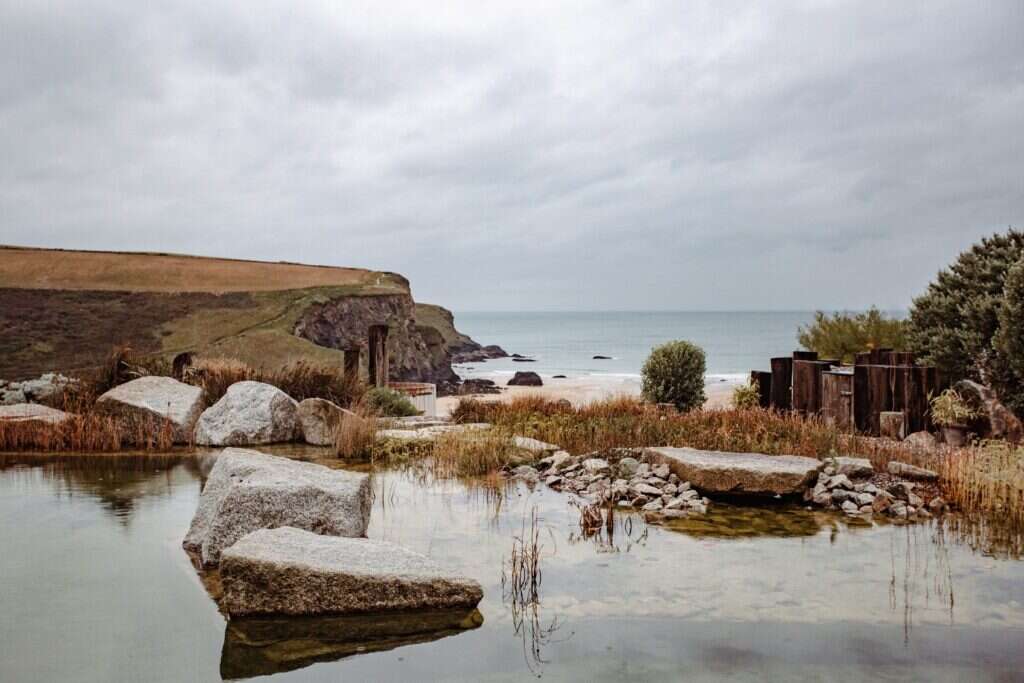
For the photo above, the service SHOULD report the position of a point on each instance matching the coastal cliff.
(64, 310)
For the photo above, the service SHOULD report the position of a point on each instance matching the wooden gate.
(837, 398)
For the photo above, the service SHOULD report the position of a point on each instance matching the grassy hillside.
(63, 310)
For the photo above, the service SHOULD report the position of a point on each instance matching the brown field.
(30, 268)
(65, 310)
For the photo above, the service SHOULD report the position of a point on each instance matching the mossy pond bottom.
(94, 586)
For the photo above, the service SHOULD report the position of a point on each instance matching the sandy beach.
(583, 390)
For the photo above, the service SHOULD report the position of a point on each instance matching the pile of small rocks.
(32, 390)
(617, 477)
(851, 485)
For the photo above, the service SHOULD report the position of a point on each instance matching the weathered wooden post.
(807, 379)
(352, 364)
(861, 398)
(379, 355)
(782, 382)
(763, 381)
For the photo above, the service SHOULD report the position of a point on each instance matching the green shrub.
(674, 373)
(390, 403)
(953, 324)
(843, 335)
(746, 396)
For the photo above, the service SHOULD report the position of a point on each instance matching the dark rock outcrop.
(418, 353)
(997, 421)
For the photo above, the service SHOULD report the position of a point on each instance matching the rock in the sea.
(162, 398)
(320, 419)
(526, 379)
(248, 490)
(250, 413)
(32, 412)
(294, 572)
(855, 468)
(738, 473)
(902, 469)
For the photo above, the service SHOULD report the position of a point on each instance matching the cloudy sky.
(600, 155)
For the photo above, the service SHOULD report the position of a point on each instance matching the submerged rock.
(319, 420)
(248, 490)
(738, 473)
(163, 398)
(249, 414)
(289, 571)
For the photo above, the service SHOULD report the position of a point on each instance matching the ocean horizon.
(565, 342)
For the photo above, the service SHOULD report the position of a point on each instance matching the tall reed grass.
(628, 422)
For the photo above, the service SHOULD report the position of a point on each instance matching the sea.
(564, 343)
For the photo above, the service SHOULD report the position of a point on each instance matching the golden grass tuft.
(988, 479)
(356, 435)
(92, 431)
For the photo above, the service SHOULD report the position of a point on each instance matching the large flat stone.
(738, 473)
(163, 398)
(32, 412)
(248, 490)
(294, 572)
(249, 414)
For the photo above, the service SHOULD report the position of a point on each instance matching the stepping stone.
(738, 473)
(293, 572)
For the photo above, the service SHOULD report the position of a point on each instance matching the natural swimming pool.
(95, 587)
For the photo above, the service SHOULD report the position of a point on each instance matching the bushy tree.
(674, 373)
(955, 322)
(844, 335)
(1007, 371)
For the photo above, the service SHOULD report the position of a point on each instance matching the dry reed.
(629, 423)
(356, 435)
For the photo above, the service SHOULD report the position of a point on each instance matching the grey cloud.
(658, 155)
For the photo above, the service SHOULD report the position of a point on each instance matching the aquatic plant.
(469, 453)
(989, 480)
(674, 373)
(356, 434)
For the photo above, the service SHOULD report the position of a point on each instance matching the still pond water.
(94, 586)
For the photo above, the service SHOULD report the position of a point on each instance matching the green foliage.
(953, 324)
(1007, 367)
(950, 408)
(390, 403)
(674, 373)
(843, 335)
(746, 396)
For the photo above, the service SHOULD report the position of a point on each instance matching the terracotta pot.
(954, 435)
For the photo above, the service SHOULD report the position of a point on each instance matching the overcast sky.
(619, 155)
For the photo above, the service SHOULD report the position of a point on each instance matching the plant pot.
(954, 435)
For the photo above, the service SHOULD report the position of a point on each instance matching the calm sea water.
(566, 343)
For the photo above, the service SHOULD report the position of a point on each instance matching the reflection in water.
(616, 532)
(117, 481)
(913, 549)
(726, 520)
(265, 646)
(989, 536)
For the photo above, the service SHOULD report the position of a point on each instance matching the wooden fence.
(852, 396)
